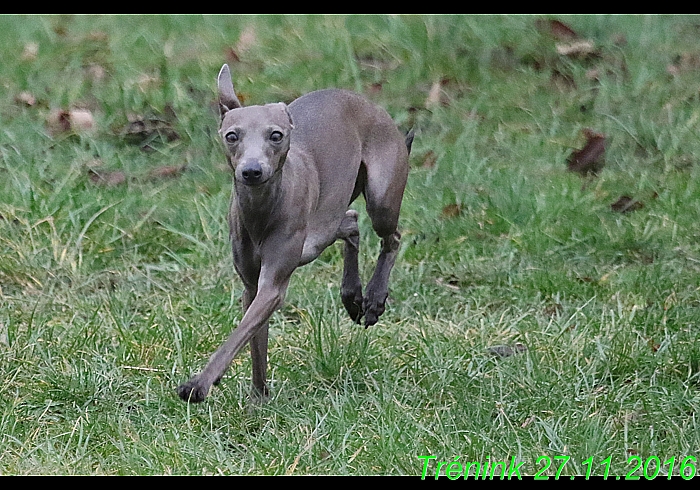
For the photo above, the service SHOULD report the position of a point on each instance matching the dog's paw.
(352, 300)
(193, 391)
(353, 305)
(373, 306)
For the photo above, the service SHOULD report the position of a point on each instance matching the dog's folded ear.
(286, 111)
(227, 96)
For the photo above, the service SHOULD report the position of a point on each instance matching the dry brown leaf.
(684, 62)
(619, 39)
(590, 159)
(98, 36)
(231, 56)
(95, 72)
(374, 88)
(375, 63)
(30, 51)
(593, 74)
(25, 98)
(451, 211)
(58, 121)
(626, 204)
(81, 120)
(247, 40)
(673, 70)
(429, 160)
(146, 81)
(451, 282)
(107, 178)
(552, 309)
(76, 120)
(167, 171)
(577, 49)
(143, 131)
(557, 29)
(653, 345)
(562, 80)
(435, 95)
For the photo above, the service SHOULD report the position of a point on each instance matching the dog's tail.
(409, 139)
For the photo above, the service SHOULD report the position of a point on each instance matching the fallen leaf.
(429, 160)
(435, 97)
(231, 56)
(553, 309)
(58, 121)
(143, 131)
(374, 88)
(97, 36)
(30, 51)
(25, 98)
(625, 204)
(107, 178)
(653, 345)
(372, 62)
(619, 39)
(590, 159)
(246, 40)
(96, 72)
(556, 29)
(451, 211)
(684, 62)
(562, 80)
(451, 282)
(146, 81)
(81, 120)
(504, 58)
(506, 350)
(577, 49)
(75, 120)
(673, 70)
(593, 74)
(167, 171)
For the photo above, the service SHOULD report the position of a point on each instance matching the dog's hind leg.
(387, 172)
(378, 287)
(258, 352)
(351, 287)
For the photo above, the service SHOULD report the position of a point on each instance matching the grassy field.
(116, 281)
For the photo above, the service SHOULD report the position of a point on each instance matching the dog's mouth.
(252, 183)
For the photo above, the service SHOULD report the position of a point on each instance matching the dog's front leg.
(280, 256)
(258, 357)
(267, 300)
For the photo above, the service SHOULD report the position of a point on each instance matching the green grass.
(110, 296)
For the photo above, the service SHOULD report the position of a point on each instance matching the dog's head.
(256, 138)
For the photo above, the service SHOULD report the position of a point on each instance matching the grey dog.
(297, 169)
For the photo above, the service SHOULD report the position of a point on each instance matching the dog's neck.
(256, 204)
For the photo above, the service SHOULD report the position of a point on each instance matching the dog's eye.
(231, 137)
(276, 136)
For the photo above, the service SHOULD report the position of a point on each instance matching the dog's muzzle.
(252, 173)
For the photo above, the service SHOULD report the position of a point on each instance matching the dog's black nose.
(252, 172)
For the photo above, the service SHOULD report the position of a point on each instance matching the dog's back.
(355, 146)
